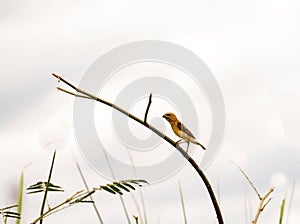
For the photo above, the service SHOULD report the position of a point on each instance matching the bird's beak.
(164, 116)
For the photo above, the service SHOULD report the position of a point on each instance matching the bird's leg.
(187, 148)
(178, 142)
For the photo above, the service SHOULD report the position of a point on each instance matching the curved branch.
(156, 131)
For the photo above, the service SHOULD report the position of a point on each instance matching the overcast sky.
(251, 47)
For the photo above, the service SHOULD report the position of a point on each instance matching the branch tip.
(56, 76)
(148, 107)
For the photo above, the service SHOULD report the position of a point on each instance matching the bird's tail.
(197, 143)
(201, 145)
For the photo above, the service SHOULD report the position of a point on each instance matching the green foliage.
(281, 211)
(47, 187)
(14, 215)
(82, 198)
(20, 197)
(42, 187)
(6, 213)
(124, 185)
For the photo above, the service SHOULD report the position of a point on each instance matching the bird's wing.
(185, 129)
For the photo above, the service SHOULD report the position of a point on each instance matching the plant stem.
(77, 194)
(182, 203)
(87, 189)
(47, 187)
(148, 107)
(20, 197)
(261, 205)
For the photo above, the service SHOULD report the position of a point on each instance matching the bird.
(181, 131)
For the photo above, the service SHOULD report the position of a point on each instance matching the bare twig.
(47, 187)
(248, 179)
(9, 207)
(136, 218)
(262, 204)
(160, 134)
(148, 107)
(74, 94)
(87, 189)
(74, 196)
(267, 202)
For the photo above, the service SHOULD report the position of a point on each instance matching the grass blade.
(182, 202)
(120, 196)
(140, 191)
(124, 208)
(87, 188)
(20, 197)
(291, 202)
(47, 187)
(282, 211)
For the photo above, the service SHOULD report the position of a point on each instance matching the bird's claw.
(177, 143)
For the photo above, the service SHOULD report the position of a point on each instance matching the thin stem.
(77, 194)
(148, 107)
(162, 135)
(124, 208)
(74, 94)
(120, 196)
(9, 207)
(182, 203)
(282, 210)
(262, 199)
(47, 187)
(91, 197)
(248, 179)
(140, 192)
(261, 205)
(291, 201)
(266, 203)
(69, 204)
(20, 196)
(4, 218)
(136, 218)
(137, 207)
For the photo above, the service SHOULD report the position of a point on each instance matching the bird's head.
(170, 117)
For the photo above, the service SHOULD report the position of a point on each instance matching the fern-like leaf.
(41, 186)
(6, 213)
(123, 185)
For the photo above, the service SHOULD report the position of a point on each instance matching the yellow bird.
(180, 130)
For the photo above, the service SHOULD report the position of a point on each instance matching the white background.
(252, 48)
